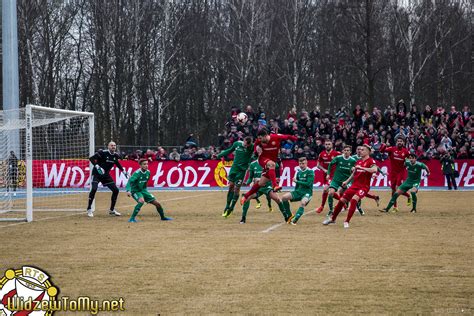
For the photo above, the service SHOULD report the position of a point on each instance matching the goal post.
(53, 171)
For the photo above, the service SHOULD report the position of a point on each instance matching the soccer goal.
(44, 163)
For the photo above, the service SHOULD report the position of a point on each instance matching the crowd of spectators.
(429, 132)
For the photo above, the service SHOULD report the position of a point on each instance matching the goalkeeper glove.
(99, 169)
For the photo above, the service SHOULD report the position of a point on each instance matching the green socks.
(235, 197)
(299, 213)
(392, 201)
(160, 211)
(269, 201)
(230, 195)
(413, 200)
(286, 212)
(330, 202)
(287, 206)
(245, 208)
(136, 210)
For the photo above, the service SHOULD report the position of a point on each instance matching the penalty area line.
(82, 213)
(273, 227)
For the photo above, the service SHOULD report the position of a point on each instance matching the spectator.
(187, 154)
(449, 170)
(299, 153)
(150, 155)
(250, 114)
(262, 122)
(161, 154)
(466, 114)
(12, 181)
(200, 154)
(135, 155)
(174, 155)
(286, 153)
(401, 109)
(358, 113)
(292, 114)
(191, 141)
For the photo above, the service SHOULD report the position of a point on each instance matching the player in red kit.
(325, 157)
(270, 147)
(397, 155)
(362, 174)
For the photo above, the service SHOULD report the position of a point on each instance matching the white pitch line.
(269, 229)
(80, 213)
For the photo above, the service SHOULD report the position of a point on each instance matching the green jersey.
(242, 155)
(138, 181)
(343, 167)
(255, 172)
(414, 171)
(304, 181)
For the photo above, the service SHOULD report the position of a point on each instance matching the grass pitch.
(202, 263)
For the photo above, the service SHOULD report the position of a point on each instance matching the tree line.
(155, 70)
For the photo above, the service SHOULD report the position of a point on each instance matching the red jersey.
(361, 177)
(325, 158)
(397, 158)
(271, 149)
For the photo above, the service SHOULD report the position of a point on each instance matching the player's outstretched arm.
(286, 137)
(227, 151)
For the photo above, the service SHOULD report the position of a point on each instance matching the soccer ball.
(242, 118)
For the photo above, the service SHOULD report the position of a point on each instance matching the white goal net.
(44, 162)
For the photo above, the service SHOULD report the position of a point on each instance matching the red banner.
(209, 173)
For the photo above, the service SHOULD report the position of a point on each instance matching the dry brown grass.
(202, 263)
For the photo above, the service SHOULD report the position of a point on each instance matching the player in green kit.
(303, 191)
(412, 183)
(344, 164)
(255, 172)
(136, 188)
(242, 156)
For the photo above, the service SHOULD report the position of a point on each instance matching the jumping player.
(103, 161)
(343, 169)
(362, 174)
(137, 188)
(255, 172)
(412, 183)
(397, 155)
(270, 146)
(303, 191)
(242, 156)
(324, 159)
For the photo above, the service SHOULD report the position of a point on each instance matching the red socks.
(325, 197)
(370, 196)
(337, 210)
(253, 190)
(336, 196)
(272, 175)
(351, 211)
